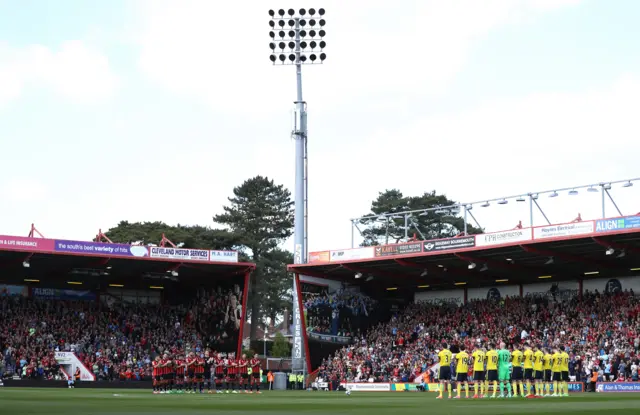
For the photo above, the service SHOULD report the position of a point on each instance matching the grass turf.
(107, 402)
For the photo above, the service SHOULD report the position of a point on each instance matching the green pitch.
(107, 402)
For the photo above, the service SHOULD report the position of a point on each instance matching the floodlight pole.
(300, 137)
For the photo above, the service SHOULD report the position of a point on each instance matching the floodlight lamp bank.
(297, 38)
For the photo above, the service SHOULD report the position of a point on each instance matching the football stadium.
(427, 311)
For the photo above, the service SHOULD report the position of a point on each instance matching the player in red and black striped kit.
(157, 376)
(208, 366)
(199, 370)
(191, 373)
(255, 373)
(180, 373)
(232, 373)
(219, 372)
(243, 372)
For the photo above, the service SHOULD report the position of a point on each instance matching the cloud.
(501, 147)
(74, 70)
(219, 53)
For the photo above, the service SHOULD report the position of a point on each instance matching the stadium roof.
(134, 266)
(585, 249)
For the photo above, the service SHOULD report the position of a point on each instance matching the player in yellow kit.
(517, 374)
(556, 370)
(547, 371)
(444, 358)
(538, 368)
(564, 369)
(528, 368)
(492, 369)
(478, 372)
(462, 369)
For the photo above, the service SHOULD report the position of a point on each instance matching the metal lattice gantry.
(297, 38)
(466, 209)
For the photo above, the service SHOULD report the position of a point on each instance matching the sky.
(156, 110)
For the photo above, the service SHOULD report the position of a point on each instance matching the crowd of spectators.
(114, 340)
(602, 332)
(341, 313)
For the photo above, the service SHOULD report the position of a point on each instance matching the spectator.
(597, 328)
(111, 339)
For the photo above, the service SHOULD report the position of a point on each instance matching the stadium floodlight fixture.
(109, 267)
(554, 194)
(424, 273)
(358, 275)
(520, 199)
(471, 265)
(485, 204)
(369, 278)
(484, 268)
(606, 186)
(549, 261)
(174, 273)
(627, 184)
(622, 254)
(301, 33)
(503, 202)
(26, 264)
(592, 189)
(610, 251)
(573, 192)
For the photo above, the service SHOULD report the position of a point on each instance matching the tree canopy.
(433, 224)
(193, 237)
(260, 215)
(258, 218)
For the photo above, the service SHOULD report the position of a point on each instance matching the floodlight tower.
(297, 39)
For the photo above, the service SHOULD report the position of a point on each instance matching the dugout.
(555, 260)
(106, 272)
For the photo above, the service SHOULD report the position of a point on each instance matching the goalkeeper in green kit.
(504, 371)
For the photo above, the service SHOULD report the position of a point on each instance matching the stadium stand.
(601, 330)
(341, 313)
(109, 309)
(117, 341)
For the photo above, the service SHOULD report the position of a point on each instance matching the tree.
(433, 224)
(193, 237)
(260, 215)
(274, 285)
(281, 348)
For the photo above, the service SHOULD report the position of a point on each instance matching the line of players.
(517, 370)
(194, 373)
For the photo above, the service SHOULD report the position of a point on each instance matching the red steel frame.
(245, 296)
(305, 339)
